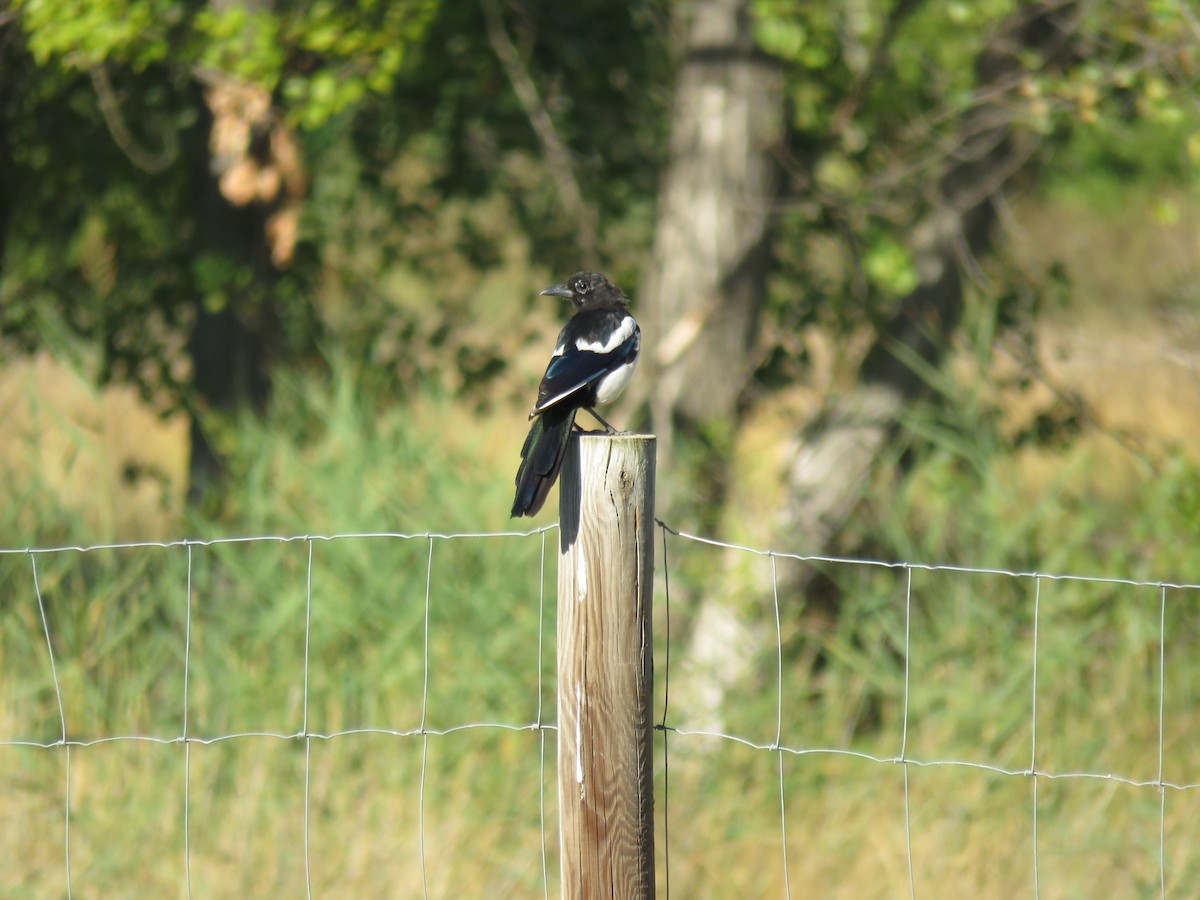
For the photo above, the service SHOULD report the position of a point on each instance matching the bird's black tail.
(541, 458)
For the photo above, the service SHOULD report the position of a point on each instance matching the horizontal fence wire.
(669, 729)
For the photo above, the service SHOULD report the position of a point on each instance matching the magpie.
(591, 364)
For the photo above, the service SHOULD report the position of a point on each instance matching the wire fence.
(775, 702)
(1034, 773)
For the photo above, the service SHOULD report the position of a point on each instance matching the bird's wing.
(592, 344)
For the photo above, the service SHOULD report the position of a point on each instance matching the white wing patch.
(612, 384)
(615, 340)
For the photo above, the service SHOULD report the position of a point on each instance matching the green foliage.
(430, 215)
(881, 94)
(92, 246)
(889, 265)
(419, 295)
(321, 57)
(427, 205)
(89, 33)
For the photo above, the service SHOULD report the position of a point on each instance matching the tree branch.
(850, 104)
(154, 163)
(558, 156)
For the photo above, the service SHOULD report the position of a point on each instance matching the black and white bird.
(591, 364)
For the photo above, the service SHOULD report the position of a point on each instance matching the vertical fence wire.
(62, 718)
(37, 588)
(666, 842)
(424, 726)
(67, 826)
(187, 746)
(304, 726)
(1162, 698)
(912, 882)
(787, 880)
(1033, 713)
(539, 724)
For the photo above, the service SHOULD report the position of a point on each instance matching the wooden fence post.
(606, 667)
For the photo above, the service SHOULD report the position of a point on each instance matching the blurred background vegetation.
(917, 281)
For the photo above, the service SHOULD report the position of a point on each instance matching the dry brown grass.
(103, 454)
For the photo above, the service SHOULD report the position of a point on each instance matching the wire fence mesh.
(931, 670)
(247, 715)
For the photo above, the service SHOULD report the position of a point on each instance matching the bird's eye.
(581, 286)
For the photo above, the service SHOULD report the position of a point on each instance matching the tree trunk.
(705, 286)
(250, 190)
(829, 463)
(231, 346)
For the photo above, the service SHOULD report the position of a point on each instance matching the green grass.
(329, 460)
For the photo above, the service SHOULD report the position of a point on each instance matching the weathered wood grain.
(606, 667)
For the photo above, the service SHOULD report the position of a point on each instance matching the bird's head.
(586, 288)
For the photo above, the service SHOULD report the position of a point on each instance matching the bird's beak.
(558, 290)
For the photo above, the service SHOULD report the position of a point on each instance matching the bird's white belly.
(612, 384)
